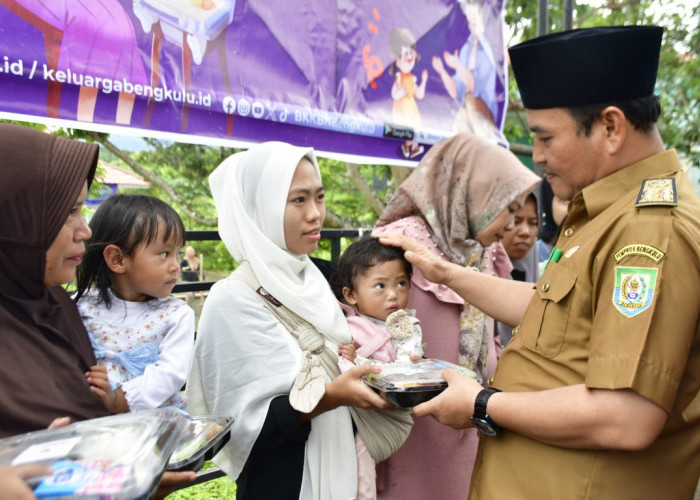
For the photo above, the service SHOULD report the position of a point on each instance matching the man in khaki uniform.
(601, 382)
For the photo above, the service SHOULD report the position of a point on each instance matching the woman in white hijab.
(268, 336)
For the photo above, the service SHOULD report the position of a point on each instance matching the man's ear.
(349, 296)
(616, 125)
(114, 258)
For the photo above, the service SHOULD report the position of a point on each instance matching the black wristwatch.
(480, 418)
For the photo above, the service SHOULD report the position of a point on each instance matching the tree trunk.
(154, 179)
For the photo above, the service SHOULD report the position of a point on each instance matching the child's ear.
(114, 258)
(349, 296)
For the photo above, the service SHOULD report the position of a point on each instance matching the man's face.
(570, 159)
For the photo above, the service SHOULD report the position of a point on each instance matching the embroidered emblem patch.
(657, 192)
(640, 249)
(634, 289)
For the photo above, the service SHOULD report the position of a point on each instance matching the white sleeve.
(166, 377)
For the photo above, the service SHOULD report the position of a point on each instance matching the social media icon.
(229, 105)
(243, 107)
(258, 110)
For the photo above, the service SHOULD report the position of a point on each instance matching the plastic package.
(408, 383)
(203, 438)
(117, 457)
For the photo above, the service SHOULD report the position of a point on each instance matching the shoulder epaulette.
(657, 192)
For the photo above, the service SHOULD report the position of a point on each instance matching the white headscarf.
(250, 191)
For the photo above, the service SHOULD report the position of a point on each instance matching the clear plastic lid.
(117, 457)
(203, 437)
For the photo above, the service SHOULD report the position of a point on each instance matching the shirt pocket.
(544, 326)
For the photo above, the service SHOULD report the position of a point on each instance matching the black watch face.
(484, 427)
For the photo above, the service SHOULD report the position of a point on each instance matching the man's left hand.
(455, 405)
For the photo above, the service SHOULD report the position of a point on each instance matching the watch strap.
(482, 399)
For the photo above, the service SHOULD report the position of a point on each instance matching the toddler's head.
(373, 278)
(131, 223)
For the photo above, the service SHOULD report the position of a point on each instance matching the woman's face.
(305, 210)
(67, 250)
(500, 225)
(520, 239)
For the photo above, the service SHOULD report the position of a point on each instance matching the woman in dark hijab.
(44, 349)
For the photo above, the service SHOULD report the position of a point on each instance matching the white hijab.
(250, 190)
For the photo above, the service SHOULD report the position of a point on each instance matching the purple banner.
(369, 81)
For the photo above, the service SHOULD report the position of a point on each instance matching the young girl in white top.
(143, 338)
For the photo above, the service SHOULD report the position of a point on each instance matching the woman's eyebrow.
(306, 190)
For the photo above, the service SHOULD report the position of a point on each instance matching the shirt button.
(568, 232)
(490, 380)
(545, 287)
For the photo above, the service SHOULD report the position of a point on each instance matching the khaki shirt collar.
(599, 195)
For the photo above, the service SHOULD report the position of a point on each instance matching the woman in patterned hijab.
(457, 202)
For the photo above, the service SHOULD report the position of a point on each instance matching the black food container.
(409, 383)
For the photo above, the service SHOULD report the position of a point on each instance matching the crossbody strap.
(383, 432)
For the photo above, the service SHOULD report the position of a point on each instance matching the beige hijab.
(462, 184)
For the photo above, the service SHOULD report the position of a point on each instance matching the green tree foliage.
(678, 83)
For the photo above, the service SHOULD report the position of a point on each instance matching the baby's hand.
(348, 351)
(114, 400)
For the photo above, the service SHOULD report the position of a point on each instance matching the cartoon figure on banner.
(94, 45)
(473, 83)
(406, 89)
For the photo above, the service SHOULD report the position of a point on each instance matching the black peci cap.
(587, 66)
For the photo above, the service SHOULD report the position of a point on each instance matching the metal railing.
(334, 235)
